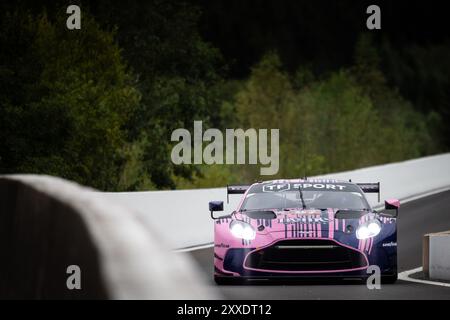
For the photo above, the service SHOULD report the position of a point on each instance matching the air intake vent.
(307, 256)
(260, 214)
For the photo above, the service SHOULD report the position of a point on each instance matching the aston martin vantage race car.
(304, 229)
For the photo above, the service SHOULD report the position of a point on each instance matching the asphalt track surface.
(416, 218)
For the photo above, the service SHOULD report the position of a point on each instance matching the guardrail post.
(436, 256)
(426, 255)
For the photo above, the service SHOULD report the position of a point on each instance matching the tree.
(178, 75)
(65, 99)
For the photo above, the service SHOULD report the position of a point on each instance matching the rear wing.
(236, 189)
(365, 187)
(370, 188)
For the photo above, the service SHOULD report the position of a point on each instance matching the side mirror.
(215, 206)
(392, 204)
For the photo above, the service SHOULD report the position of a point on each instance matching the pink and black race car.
(304, 229)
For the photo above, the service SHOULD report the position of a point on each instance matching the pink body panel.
(313, 225)
(394, 202)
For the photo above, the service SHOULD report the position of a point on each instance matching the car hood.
(302, 220)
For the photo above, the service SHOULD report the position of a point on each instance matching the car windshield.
(317, 198)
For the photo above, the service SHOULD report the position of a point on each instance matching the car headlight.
(242, 230)
(368, 230)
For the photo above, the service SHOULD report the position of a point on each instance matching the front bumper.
(295, 258)
(342, 255)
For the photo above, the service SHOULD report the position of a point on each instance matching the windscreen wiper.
(301, 196)
(352, 210)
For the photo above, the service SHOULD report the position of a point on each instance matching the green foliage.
(133, 175)
(65, 98)
(348, 120)
(178, 75)
(98, 105)
(421, 74)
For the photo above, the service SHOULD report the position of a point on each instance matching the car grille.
(307, 256)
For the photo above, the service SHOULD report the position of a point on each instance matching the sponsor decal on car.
(304, 219)
(389, 244)
(279, 187)
(222, 245)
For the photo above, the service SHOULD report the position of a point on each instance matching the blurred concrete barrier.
(48, 224)
(186, 211)
(436, 255)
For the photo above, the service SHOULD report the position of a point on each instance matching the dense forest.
(98, 105)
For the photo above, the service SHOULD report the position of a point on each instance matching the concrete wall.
(184, 216)
(438, 267)
(404, 180)
(47, 224)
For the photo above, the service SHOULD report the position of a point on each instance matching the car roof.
(306, 180)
